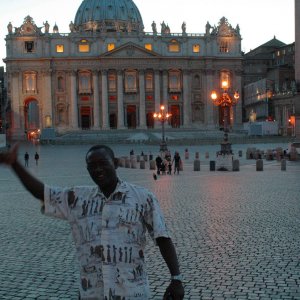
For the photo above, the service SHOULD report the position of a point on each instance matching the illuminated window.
(110, 46)
(224, 47)
(84, 46)
(174, 46)
(148, 47)
(59, 48)
(196, 48)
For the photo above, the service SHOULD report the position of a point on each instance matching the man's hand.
(9, 157)
(174, 291)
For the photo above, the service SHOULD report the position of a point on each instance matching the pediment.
(131, 50)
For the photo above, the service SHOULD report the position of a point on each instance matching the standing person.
(158, 161)
(109, 223)
(177, 162)
(26, 159)
(36, 157)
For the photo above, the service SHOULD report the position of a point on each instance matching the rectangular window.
(174, 48)
(110, 46)
(149, 82)
(148, 47)
(196, 48)
(112, 83)
(29, 47)
(84, 48)
(224, 47)
(59, 48)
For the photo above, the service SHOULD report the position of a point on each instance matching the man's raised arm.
(32, 184)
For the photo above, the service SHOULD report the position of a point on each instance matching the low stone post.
(235, 165)
(133, 163)
(259, 165)
(197, 165)
(283, 165)
(152, 165)
(127, 162)
(212, 165)
(142, 164)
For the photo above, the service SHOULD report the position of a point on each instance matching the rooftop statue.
(47, 26)
(72, 27)
(154, 29)
(9, 28)
(183, 27)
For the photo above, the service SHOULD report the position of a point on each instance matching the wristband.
(177, 277)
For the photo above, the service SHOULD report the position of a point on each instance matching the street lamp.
(162, 116)
(226, 101)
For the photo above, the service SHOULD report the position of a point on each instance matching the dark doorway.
(131, 116)
(113, 121)
(150, 120)
(85, 113)
(175, 116)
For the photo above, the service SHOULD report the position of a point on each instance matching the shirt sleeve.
(56, 202)
(154, 219)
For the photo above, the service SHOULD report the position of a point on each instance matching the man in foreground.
(109, 222)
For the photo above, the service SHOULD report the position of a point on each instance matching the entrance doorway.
(175, 116)
(113, 121)
(85, 114)
(131, 116)
(31, 118)
(150, 120)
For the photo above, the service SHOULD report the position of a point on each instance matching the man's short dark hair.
(107, 149)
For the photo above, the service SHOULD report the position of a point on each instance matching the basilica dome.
(108, 16)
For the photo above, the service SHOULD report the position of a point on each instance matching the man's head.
(102, 165)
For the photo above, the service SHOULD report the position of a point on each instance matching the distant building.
(107, 72)
(3, 102)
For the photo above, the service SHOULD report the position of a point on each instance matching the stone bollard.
(259, 165)
(197, 165)
(152, 165)
(132, 157)
(133, 164)
(206, 155)
(283, 165)
(235, 165)
(127, 162)
(197, 155)
(240, 153)
(212, 165)
(142, 164)
(121, 162)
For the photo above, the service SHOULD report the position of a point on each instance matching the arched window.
(29, 82)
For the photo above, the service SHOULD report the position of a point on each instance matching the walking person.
(111, 212)
(36, 157)
(177, 162)
(26, 159)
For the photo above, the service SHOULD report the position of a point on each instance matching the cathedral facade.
(108, 73)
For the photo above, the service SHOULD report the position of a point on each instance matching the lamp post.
(226, 101)
(162, 116)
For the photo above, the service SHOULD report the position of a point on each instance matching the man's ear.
(116, 162)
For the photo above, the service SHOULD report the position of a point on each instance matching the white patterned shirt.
(110, 237)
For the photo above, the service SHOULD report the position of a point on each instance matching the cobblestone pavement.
(236, 233)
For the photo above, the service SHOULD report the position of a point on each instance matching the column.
(142, 110)
(120, 101)
(15, 104)
(96, 109)
(105, 118)
(157, 95)
(165, 89)
(211, 120)
(186, 99)
(74, 102)
(47, 101)
(237, 116)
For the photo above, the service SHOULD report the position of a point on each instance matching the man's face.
(101, 168)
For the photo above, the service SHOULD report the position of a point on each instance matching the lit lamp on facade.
(225, 101)
(162, 116)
